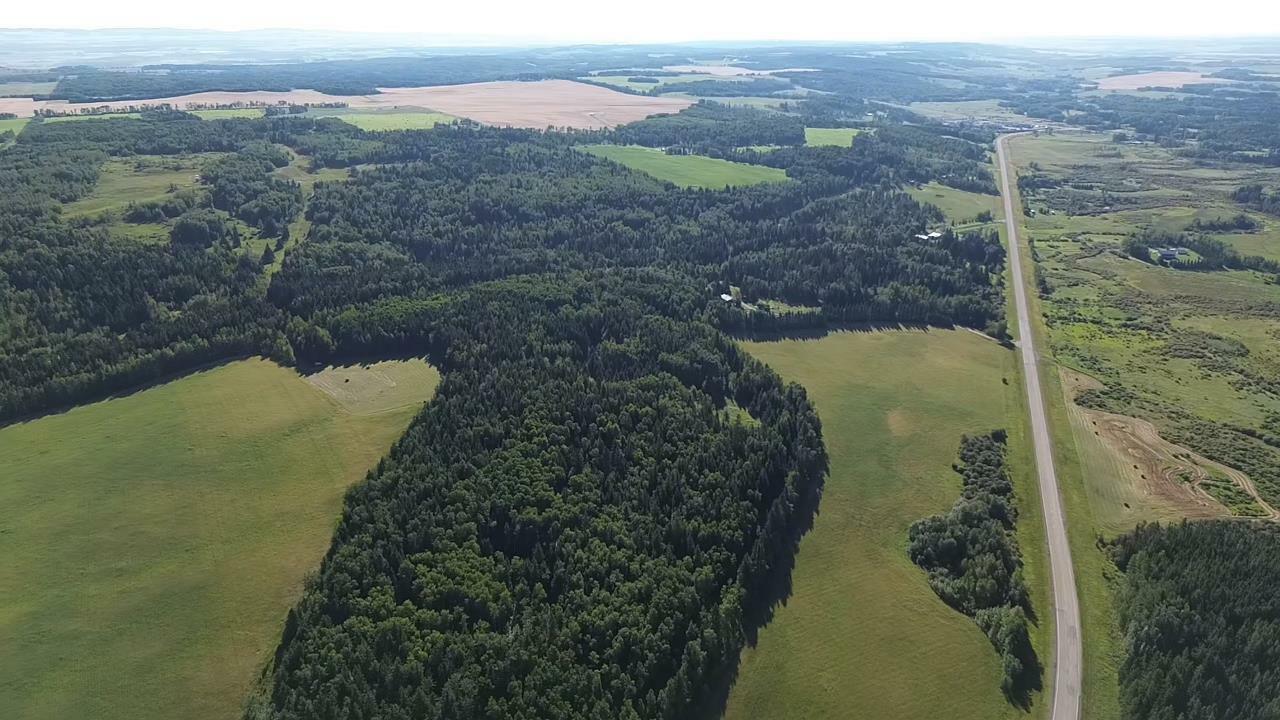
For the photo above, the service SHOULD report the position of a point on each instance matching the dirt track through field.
(1068, 655)
(538, 105)
(1165, 470)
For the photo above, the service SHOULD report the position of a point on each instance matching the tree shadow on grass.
(773, 590)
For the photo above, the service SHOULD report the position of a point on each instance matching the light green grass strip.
(842, 137)
(688, 170)
(394, 120)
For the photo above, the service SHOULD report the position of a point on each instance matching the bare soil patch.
(1155, 79)
(541, 104)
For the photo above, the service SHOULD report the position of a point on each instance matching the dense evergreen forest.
(575, 527)
(1200, 620)
(973, 561)
(441, 210)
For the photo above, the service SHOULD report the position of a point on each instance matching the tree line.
(971, 555)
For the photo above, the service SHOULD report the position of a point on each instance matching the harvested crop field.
(546, 103)
(1154, 79)
(541, 104)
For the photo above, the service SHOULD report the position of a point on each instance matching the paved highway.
(1067, 660)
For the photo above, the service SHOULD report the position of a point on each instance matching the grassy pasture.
(152, 544)
(298, 170)
(687, 170)
(958, 205)
(226, 113)
(842, 137)
(26, 89)
(14, 124)
(380, 121)
(138, 179)
(1263, 244)
(966, 110)
(863, 635)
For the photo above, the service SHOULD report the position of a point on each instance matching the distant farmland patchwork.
(539, 104)
(160, 538)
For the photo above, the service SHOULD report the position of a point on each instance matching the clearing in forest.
(139, 179)
(407, 119)
(894, 406)
(229, 113)
(960, 206)
(152, 544)
(688, 170)
(26, 89)
(842, 137)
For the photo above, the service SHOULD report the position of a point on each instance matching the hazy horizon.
(505, 22)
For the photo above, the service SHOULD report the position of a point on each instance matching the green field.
(152, 544)
(138, 179)
(989, 110)
(960, 206)
(863, 635)
(398, 120)
(103, 116)
(223, 114)
(687, 170)
(842, 137)
(1263, 244)
(26, 89)
(14, 124)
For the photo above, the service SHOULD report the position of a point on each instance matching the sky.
(602, 21)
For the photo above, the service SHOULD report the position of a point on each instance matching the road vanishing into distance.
(1067, 661)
